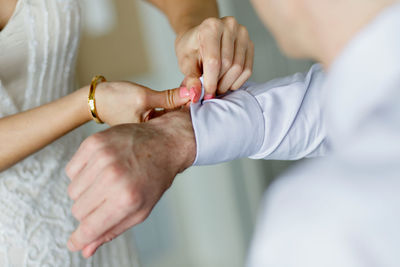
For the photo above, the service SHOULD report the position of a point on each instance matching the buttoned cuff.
(228, 128)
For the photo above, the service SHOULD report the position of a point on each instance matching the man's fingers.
(77, 162)
(95, 225)
(87, 175)
(111, 234)
(89, 200)
(90, 249)
(82, 155)
(248, 68)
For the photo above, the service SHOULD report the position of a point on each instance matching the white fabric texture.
(38, 50)
(342, 209)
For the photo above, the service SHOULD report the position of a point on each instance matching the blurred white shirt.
(342, 209)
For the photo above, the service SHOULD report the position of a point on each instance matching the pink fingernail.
(184, 92)
(208, 96)
(193, 95)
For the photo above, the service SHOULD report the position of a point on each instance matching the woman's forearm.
(185, 14)
(25, 133)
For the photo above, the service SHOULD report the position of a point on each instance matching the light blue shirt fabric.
(342, 209)
(280, 119)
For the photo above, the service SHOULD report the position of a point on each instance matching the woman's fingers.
(210, 35)
(218, 50)
(228, 44)
(248, 68)
(237, 68)
(191, 86)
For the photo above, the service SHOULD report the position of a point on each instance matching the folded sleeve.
(280, 119)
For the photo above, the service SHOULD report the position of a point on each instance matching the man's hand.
(118, 175)
(218, 49)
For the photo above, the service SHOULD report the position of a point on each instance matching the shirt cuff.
(228, 128)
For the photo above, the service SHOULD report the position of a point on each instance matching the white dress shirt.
(342, 209)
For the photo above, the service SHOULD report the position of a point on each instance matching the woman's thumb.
(169, 99)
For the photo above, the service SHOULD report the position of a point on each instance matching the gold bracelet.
(91, 99)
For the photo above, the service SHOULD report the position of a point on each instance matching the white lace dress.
(37, 57)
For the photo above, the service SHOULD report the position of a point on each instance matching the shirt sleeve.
(280, 119)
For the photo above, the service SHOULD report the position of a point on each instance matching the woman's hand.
(218, 49)
(126, 102)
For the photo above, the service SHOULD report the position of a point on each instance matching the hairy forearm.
(25, 133)
(177, 129)
(185, 14)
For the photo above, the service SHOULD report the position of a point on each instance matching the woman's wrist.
(82, 98)
(185, 25)
(83, 94)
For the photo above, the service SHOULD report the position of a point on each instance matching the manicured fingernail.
(71, 246)
(184, 92)
(208, 96)
(193, 95)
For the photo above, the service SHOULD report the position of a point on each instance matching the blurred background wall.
(207, 217)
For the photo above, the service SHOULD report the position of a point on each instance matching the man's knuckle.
(114, 173)
(93, 141)
(68, 170)
(74, 211)
(117, 169)
(88, 231)
(131, 197)
(106, 154)
(109, 237)
(71, 192)
(142, 216)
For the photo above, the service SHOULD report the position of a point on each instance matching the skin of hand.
(118, 175)
(116, 102)
(127, 102)
(218, 49)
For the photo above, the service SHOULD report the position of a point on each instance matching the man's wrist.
(179, 137)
